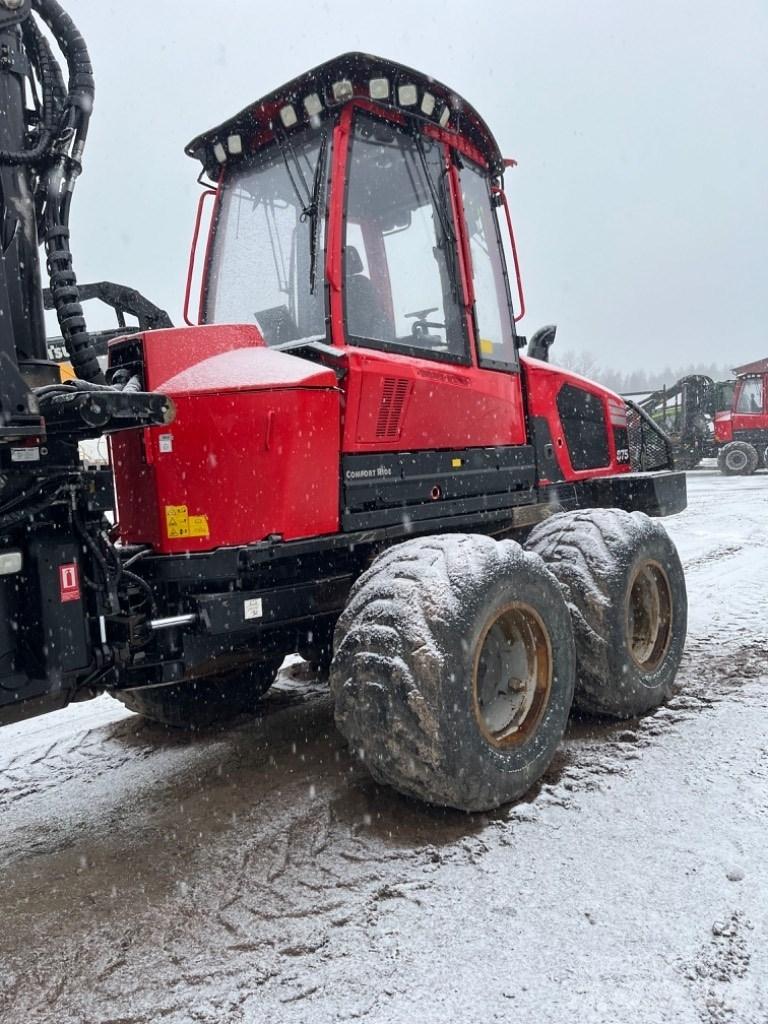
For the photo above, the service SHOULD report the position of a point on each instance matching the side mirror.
(541, 342)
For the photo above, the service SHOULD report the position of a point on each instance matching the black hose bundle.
(55, 157)
(51, 103)
(65, 167)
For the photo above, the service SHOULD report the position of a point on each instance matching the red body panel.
(723, 427)
(403, 403)
(543, 384)
(253, 450)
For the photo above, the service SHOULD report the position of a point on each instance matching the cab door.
(419, 376)
(492, 317)
(433, 420)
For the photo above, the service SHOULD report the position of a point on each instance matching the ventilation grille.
(393, 395)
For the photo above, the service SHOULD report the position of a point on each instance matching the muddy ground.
(257, 874)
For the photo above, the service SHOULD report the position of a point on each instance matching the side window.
(493, 314)
(400, 265)
(751, 396)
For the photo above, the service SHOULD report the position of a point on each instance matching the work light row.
(407, 95)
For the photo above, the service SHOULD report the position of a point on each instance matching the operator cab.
(356, 206)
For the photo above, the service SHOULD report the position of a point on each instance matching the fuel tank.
(252, 453)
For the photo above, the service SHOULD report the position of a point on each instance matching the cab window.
(493, 313)
(400, 266)
(263, 246)
(751, 396)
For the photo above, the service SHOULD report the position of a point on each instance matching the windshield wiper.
(309, 199)
(314, 210)
(441, 208)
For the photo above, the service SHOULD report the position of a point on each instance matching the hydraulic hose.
(66, 166)
(81, 86)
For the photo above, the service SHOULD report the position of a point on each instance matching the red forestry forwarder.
(347, 457)
(741, 432)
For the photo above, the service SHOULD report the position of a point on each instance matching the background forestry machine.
(725, 420)
(685, 411)
(336, 457)
(741, 425)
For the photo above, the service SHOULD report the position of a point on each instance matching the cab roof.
(759, 366)
(328, 87)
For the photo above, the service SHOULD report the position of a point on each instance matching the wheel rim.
(736, 461)
(649, 616)
(512, 677)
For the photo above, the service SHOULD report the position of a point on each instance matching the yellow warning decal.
(179, 523)
(198, 526)
(456, 463)
(486, 347)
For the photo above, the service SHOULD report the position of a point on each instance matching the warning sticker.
(198, 526)
(486, 347)
(179, 523)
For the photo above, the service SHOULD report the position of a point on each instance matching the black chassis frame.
(300, 587)
(758, 438)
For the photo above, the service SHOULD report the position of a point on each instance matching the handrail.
(193, 253)
(518, 277)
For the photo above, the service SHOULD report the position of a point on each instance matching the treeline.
(625, 381)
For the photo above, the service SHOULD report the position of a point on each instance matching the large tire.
(738, 458)
(624, 584)
(199, 703)
(454, 670)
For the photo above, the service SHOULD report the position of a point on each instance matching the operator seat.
(365, 316)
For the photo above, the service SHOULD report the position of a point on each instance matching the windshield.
(262, 253)
(751, 396)
(400, 275)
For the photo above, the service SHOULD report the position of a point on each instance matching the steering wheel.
(420, 326)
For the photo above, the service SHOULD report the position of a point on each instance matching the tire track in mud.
(595, 751)
(294, 878)
(302, 883)
(236, 876)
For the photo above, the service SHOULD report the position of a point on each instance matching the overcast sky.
(640, 130)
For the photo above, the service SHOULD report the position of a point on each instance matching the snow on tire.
(624, 584)
(453, 671)
(738, 458)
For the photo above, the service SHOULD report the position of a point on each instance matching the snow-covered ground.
(257, 874)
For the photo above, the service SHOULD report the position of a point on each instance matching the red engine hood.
(218, 358)
(248, 369)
